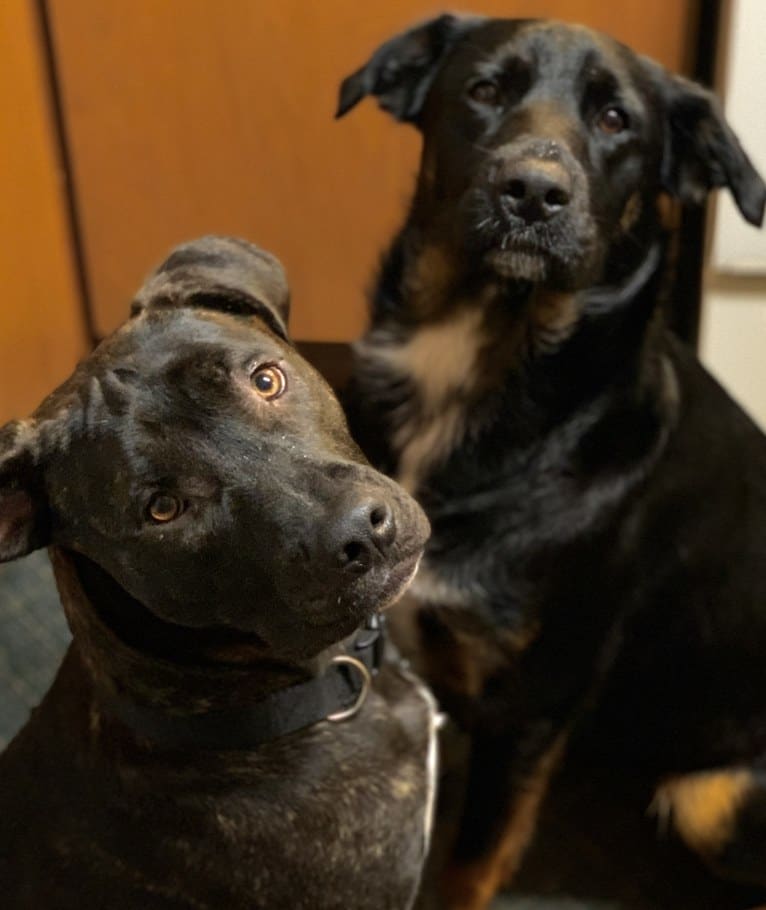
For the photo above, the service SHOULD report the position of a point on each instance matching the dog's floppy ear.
(702, 152)
(401, 71)
(24, 517)
(224, 274)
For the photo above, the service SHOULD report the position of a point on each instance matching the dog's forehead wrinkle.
(564, 54)
(242, 263)
(171, 339)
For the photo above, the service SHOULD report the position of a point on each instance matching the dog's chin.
(372, 592)
(522, 264)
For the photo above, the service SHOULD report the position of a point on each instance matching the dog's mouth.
(521, 259)
(374, 592)
(560, 251)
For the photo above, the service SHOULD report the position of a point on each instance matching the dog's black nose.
(362, 535)
(535, 190)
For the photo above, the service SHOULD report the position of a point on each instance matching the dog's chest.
(440, 364)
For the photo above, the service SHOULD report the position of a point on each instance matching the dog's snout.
(362, 535)
(533, 189)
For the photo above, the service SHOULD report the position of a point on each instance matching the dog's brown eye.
(164, 508)
(485, 92)
(269, 382)
(613, 120)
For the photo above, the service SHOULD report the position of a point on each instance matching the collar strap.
(337, 695)
(608, 298)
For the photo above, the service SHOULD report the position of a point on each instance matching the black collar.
(336, 695)
(608, 298)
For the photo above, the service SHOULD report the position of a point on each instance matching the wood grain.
(41, 326)
(188, 116)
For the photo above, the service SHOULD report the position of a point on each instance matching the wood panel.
(189, 116)
(41, 326)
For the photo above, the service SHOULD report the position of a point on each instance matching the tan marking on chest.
(427, 282)
(553, 317)
(442, 362)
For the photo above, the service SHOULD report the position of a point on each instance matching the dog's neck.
(488, 354)
(206, 678)
(425, 281)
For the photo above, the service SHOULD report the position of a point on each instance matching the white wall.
(733, 337)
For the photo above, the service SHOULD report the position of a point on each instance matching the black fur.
(274, 558)
(599, 524)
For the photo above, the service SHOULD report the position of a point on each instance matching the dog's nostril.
(516, 189)
(378, 516)
(362, 535)
(382, 525)
(352, 552)
(556, 198)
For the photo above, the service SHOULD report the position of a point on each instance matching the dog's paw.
(704, 807)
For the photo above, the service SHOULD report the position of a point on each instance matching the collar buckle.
(346, 713)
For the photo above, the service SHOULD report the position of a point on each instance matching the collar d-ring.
(346, 713)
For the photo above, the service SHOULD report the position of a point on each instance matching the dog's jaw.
(519, 264)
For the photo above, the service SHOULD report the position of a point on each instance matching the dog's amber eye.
(485, 92)
(269, 382)
(164, 508)
(613, 120)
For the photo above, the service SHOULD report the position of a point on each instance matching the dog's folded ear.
(701, 150)
(402, 70)
(24, 518)
(224, 274)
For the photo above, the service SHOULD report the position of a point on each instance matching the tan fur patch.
(454, 360)
(429, 588)
(428, 281)
(465, 663)
(472, 649)
(703, 807)
(441, 360)
(472, 887)
(402, 787)
(553, 316)
(631, 213)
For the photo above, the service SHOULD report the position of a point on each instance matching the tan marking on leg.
(703, 807)
(472, 887)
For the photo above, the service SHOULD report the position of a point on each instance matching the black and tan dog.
(595, 584)
(217, 536)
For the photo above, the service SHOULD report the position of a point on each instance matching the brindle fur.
(238, 597)
(599, 512)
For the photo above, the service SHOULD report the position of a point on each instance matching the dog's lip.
(519, 239)
(402, 577)
(396, 580)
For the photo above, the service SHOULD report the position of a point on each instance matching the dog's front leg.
(720, 815)
(508, 780)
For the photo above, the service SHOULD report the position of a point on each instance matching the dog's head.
(206, 469)
(546, 145)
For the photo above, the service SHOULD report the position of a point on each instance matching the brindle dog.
(216, 537)
(595, 586)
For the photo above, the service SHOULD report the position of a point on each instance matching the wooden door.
(42, 332)
(192, 116)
